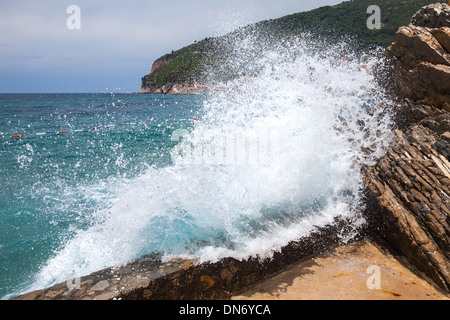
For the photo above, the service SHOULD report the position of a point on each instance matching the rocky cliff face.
(421, 57)
(409, 188)
(159, 63)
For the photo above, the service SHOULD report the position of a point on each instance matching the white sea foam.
(305, 118)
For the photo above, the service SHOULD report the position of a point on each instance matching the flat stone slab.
(346, 273)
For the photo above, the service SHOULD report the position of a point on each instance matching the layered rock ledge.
(409, 192)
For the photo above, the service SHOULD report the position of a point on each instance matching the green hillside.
(347, 20)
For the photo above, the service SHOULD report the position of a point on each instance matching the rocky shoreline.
(150, 279)
(409, 188)
(179, 88)
(408, 194)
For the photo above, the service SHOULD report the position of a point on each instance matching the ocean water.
(238, 173)
(53, 185)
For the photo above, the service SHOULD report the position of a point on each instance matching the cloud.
(117, 36)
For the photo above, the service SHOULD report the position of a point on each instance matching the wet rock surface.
(110, 283)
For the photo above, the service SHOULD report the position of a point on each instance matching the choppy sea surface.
(54, 185)
(90, 181)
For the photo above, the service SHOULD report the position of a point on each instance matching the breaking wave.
(273, 155)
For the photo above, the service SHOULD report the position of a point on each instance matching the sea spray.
(275, 153)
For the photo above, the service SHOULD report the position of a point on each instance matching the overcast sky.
(118, 40)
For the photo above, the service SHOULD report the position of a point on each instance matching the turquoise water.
(51, 184)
